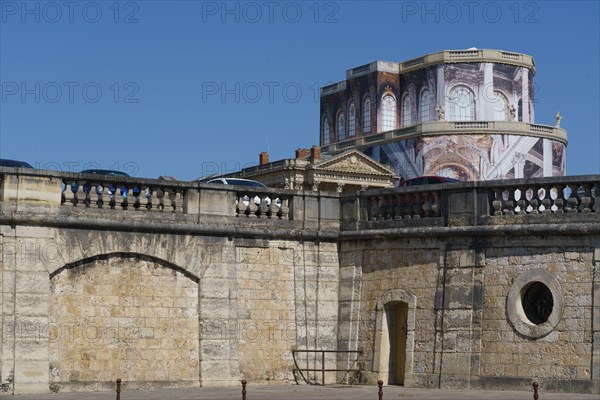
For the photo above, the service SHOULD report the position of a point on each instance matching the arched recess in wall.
(366, 111)
(454, 170)
(425, 105)
(123, 315)
(501, 106)
(351, 119)
(325, 131)
(384, 352)
(389, 118)
(461, 103)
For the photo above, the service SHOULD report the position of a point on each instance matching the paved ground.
(305, 392)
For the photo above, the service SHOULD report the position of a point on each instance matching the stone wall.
(82, 308)
(507, 352)
(379, 268)
(197, 292)
(125, 317)
(466, 331)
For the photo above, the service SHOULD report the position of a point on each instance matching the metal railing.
(322, 369)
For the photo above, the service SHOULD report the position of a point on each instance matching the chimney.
(302, 153)
(315, 153)
(263, 158)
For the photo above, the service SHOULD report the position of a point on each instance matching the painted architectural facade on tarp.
(472, 157)
(396, 96)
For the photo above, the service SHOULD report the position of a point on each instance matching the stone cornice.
(441, 128)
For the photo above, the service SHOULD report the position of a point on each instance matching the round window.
(537, 302)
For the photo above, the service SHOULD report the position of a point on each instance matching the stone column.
(525, 94)
(519, 165)
(547, 156)
(487, 100)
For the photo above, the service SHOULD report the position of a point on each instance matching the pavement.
(306, 392)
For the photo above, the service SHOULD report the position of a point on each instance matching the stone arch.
(105, 256)
(462, 171)
(123, 315)
(381, 355)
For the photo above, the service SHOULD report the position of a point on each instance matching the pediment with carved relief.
(353, 161)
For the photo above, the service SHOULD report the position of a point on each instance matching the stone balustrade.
(556, 196)
(100, 191)
(468, 203)
(259, 204)
(408, 204)
(86, 195)
(472, 203)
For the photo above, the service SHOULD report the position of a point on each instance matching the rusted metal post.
(244, 389)
(119, 389)
(536, 386)
(380, 383)
(323, 367)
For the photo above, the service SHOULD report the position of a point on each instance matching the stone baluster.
(417, 205)
(572, 201)
(100, 191)
(406, 206)
(497, 202)
(141, 202)
(72, 194)
(169, 200)
(373, 208)
(509, 204)
(153, 201)
(127, 197)
(112, 192)
(241, 207)
(265, 209)
(258, 209)
(121, 194)
(522, 203)
(427, 205)
(397, 206)
(136, 199)
(586, 198)
(80, 196)
(164, 203)
(560, 198)
(254, 208)
(284, 209)
(547, 201)
(388, 207)
(68, 198)
(392, 201)
(535, 201)
(435, 204)
(178, 201)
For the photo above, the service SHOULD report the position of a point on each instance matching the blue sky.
(188, 88)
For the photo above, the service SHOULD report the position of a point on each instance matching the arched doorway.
(395, 338)
(397, 319)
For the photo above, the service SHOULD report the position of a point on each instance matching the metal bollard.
(380, 383)
(244, 389)
(119, 389)
(536, 386)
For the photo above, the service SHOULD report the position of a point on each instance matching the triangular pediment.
(353, 161)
